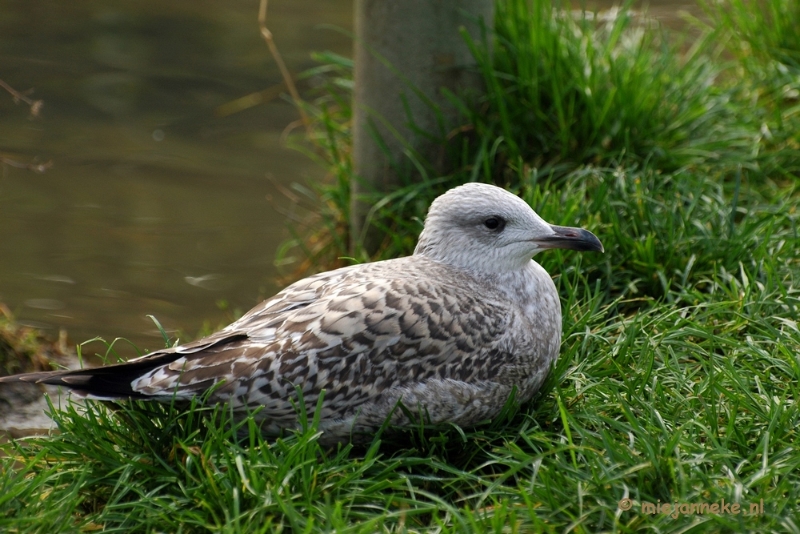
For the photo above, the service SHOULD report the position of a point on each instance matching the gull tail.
(111, 382)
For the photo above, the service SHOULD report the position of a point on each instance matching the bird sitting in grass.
(450, 332)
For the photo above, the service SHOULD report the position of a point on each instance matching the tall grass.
(572, 87)
(565, 91)
(679, 374)
(763, 39)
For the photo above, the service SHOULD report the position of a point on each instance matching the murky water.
(669, 12)
(155, 204)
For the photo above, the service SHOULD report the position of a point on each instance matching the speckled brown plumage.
(449, 331)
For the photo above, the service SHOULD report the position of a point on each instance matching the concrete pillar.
(405, 52)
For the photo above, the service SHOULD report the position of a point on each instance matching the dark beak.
(571, 238)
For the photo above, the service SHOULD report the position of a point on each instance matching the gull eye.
(494, 223)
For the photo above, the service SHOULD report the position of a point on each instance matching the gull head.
(480, 227)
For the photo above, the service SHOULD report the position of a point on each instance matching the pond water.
(156, 203)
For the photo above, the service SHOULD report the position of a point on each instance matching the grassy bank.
(678, 378)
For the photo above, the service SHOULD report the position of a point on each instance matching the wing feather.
(356, 333)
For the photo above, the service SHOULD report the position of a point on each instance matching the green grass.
(766, 47)
(566, 88)
(679, 376)
(673, 403)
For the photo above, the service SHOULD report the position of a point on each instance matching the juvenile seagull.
(448, 331)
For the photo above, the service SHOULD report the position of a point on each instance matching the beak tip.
(575, 239)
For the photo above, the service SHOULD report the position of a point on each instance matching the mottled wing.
(358, 333)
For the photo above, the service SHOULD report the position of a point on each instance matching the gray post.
(405, 48)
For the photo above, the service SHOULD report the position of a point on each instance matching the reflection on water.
(153, 205)
(669, 12)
